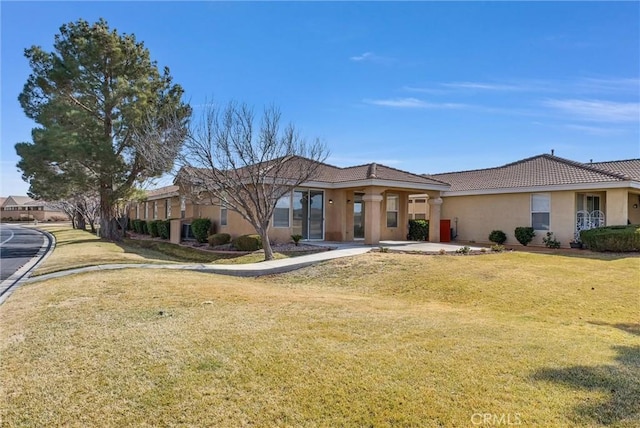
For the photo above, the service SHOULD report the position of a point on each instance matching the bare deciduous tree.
(248, 169)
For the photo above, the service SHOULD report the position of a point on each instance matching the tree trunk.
(80, 223)
(108, 225)
(266, 245)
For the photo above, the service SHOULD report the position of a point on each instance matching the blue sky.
(426, 87)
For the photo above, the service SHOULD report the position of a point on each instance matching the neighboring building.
(546, 192)
(374, 202)
(23, 208)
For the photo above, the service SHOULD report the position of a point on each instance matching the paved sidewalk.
(341, 249)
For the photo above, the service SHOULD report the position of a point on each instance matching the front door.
(358, 216)
(308, 213)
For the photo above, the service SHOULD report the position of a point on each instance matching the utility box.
(445, 230)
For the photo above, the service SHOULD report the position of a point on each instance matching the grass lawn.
(77, 248)
(376, 340)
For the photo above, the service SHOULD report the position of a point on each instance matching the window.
(224, 212)
(282, 212)
(540, 207)
(183, 207)
(167, 208)
(155, 210)
(392, 210)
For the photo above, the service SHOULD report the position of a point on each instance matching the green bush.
(296, 239)
(153, 228)
(137, 225)
(219, 239)
(418, 230)
(612, 238)
(498, 236)
(464, 250)
(550, 241)
(200, 229)
(524, 235)
(164, 229)
(497, 248)
(248, 243)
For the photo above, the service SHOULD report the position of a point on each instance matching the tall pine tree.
(108, 118)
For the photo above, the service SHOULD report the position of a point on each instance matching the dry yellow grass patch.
(375, 340)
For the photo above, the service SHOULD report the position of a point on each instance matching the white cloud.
(624, 85)
(371, 57)
(364, 56)
(596, 110)
(414, 103)
(484, 86)
(593, 130)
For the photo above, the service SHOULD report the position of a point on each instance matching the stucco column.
(435, 206)
(175, 230)
(616, 207)
(372, 218)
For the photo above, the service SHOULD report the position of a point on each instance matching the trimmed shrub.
(418, 230)
(164, 228)
(524, 235)
(550, 241)
(153, 228)
(136, 226)
(497, 248)
(612, 238)
(145, 227)
(219, 239)
(248, 243)
(498, 236)
(200, 228)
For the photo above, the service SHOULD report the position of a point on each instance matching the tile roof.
(630, 167)
(162, 192)
(330, 174)
(541, 170)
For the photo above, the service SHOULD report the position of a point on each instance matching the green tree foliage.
(107, 118)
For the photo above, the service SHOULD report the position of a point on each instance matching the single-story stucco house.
(24, 208)
(546, 192)
(374, 202)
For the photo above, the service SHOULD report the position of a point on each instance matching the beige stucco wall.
(479, 215)
(616, 210)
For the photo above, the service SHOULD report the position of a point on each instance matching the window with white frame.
(540, 209)
(183, 207)
(282, 212)
(392, 210)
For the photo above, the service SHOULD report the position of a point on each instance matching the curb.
(21, 276)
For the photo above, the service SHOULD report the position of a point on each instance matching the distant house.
(23, 208)
(374, 202)
(546, 192)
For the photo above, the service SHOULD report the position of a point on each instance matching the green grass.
(376, 340)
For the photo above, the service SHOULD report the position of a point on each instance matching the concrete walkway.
(339, 249)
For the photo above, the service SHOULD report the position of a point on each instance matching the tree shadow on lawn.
(585, 254)
(620, 381)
